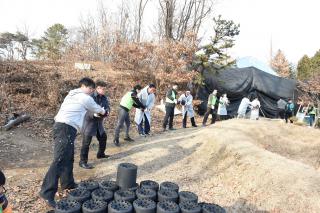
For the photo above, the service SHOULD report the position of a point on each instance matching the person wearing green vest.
(211, 108)
(129, 100)
(312, 114)
(170, 104)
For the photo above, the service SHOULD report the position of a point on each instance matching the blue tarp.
(253, 62)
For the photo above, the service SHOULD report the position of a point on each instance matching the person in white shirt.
(143, 117)
(255, 107)
(245, 102)
(222, 108)
(187, 109)
(68, 122)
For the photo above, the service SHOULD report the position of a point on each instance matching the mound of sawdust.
(228, 164)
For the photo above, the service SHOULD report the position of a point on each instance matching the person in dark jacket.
(93, 126)
(289, 111)
(281, 108)
(170, 104)
(129, 100)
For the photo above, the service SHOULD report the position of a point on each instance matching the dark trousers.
(123, 117)
(184, 121)
(86, 141)
(312, 118)
(144, 126)
(168, 117)
(280, 113)
(206, 115)
(62, 165)
(287, 116)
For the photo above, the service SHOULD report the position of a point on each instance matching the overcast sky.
(291, 25)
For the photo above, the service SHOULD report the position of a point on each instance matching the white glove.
(175, 101)
(212, 106)
(96, 115)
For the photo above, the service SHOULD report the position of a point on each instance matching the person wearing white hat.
(222, 109)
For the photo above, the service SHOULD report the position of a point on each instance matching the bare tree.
(23, 41)
(168, 8)
(124, 31)
(23, 44)
(106, 35)
(181, 17)
(141, 8)
(88, 37)
(202, 10)
(7, 44)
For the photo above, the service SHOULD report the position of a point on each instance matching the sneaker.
(128, 139)
(85, 165)
(116, 142)
(49, 202)
(103, 156)
(142, 134)
(172, 128)
(203, 125)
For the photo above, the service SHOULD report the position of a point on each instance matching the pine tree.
(225, 32)
(304, 68)
(281, 65)
(53, 44)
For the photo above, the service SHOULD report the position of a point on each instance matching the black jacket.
(91, 124)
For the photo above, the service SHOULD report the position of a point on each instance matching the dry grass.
(243, 165)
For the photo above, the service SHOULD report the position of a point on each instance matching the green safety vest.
(213, 100)
(313, 112)
(173, 95)
(127, 101)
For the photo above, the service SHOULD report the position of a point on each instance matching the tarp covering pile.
(250, 82)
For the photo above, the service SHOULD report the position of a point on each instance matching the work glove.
(97, 115)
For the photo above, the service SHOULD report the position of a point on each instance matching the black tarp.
(249, 81)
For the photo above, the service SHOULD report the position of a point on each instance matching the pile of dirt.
(238, 164)
(31, 87)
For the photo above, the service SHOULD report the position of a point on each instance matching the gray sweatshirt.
(74, 108)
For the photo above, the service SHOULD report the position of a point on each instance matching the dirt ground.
(242, 165)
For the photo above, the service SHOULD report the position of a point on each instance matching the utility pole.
(271, 51)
